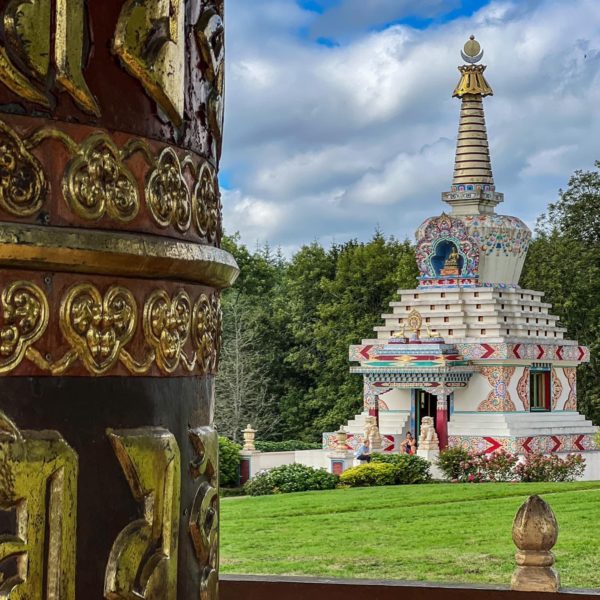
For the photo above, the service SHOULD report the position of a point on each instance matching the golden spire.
(473, 182)
(472, 80)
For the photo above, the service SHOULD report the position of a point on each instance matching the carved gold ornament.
(206, 331)
(38, 481)
(204, 516)
(150, 41)
(98, 327)
(207, 208)
(97, 182)
(415, 321)
(143, 558)
(167, 323)
(167, 193)
(25, 316)
(210, 34)
(28, 28)
(22, 180)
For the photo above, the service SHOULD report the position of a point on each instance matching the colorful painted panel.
(545, 444)
(498, 399)
(523, 388)
(557, 389)
(571, 375)
(388, 442)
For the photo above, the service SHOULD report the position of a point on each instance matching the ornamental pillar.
(110, 278)
(441, 421)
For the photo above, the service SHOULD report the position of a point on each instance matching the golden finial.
(472, 82)
(472, 52)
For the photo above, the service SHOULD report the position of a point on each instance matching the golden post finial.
(472, 52)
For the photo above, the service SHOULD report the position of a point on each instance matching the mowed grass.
(437, 532)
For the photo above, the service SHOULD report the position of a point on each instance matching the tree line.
(288, 322)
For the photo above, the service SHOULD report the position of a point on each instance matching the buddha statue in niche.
(451, 266)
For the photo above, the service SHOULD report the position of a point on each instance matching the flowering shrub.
(497, 466)
(537, 467)
(449, 462)
(290, 478)
(409, 468)
(478, 467)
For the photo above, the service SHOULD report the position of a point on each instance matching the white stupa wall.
(396, 399)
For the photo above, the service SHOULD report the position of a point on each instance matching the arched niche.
(442, 252)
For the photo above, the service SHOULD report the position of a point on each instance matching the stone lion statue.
(428, 438)
(372, 432)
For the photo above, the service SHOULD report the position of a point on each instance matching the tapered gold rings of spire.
(473, 182)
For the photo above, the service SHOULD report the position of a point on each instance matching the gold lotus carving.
(97, 182)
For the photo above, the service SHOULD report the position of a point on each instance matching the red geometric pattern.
(557, 443)
(523, 388)
(498, 399)
(557, 390)
(545, 444)
(571, 375)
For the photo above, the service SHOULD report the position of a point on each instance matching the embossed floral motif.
(498, 400)
(167, 324)
(207, 205)
(557, 389)
(167, 193)
(22, 180)
(571, 375)
(206, 331)
(98, 327)
(25, 309)
(523, 388)
(97, 182)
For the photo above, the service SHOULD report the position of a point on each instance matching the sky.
(339, 118)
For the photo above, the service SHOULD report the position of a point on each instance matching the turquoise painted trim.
(490, 412)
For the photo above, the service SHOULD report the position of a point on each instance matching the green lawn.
(438, 532)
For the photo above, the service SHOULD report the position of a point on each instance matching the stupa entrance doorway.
(425, 405)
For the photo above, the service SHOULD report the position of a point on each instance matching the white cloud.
(328, 143)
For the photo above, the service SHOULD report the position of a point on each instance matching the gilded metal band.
(103, 327)
(137, 185)
(110, 253)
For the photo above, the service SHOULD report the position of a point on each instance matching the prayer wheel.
(111, 116)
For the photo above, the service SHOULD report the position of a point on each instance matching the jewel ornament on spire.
(473, 190)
